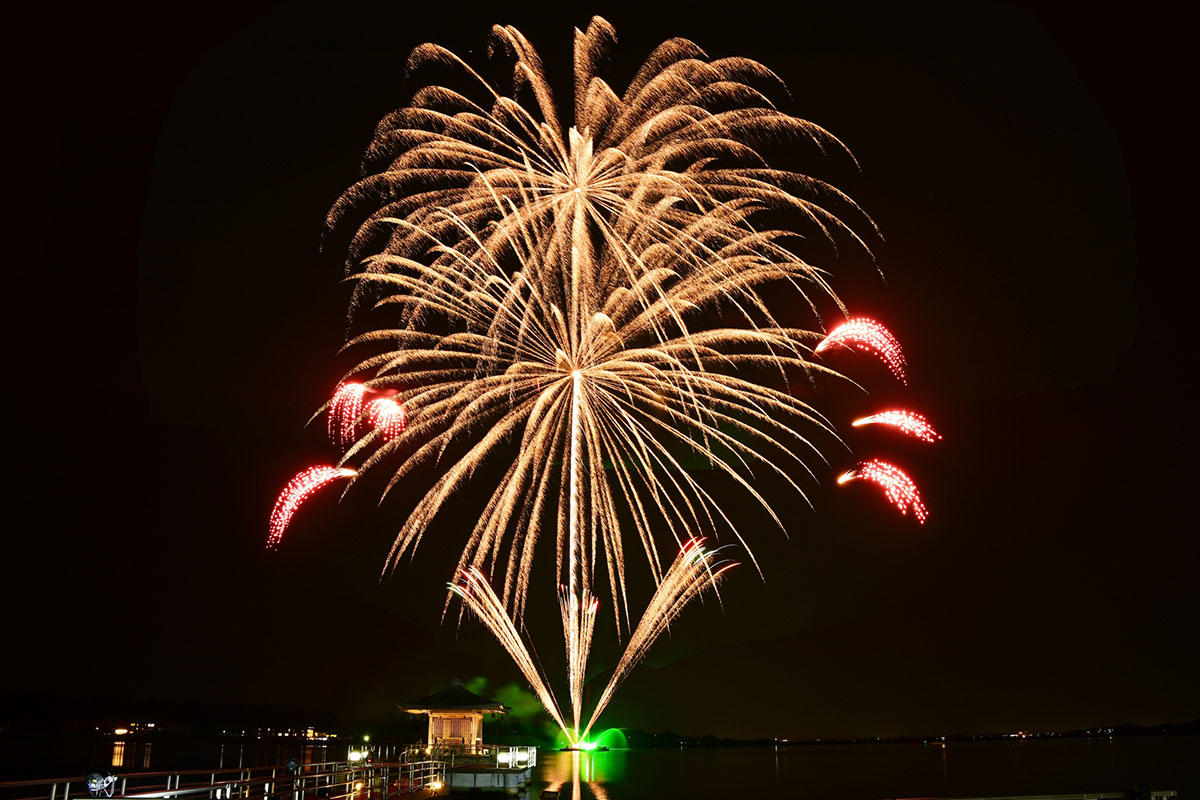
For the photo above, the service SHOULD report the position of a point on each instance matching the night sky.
(175, 323)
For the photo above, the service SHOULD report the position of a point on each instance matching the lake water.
(873, 771)
(820, 772)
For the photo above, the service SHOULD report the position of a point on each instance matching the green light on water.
(610, 739)
(613, 738)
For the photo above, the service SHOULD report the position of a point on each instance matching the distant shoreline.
(641, 739)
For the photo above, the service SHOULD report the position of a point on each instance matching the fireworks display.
(868, 336)
(907, 422)
(344, 412)
(899, 489)
(299, 489)
(579, 622)
(572, 275)
(694, 570)
(475, 591)
(387, 417)
(547, 295)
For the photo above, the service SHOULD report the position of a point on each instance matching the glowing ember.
(868, 336)
(900, 489)
(909, 423)
(295, 493)
(344, 411)
(388, 417)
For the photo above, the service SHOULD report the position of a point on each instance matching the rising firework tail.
(694, 570)
(473, 588)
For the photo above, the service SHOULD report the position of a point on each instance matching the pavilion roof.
(456, 698)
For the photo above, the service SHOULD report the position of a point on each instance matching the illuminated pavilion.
(455, 716)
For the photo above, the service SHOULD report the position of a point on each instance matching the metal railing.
(493, 756)
(516, 756)
(333, 780)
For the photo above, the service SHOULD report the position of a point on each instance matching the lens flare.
(344, 412)
(299, 489)
(899, 489)
(387, 417)
(868, 336)
(907, 422)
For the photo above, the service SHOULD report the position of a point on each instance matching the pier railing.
(334, 780)
(495, 756)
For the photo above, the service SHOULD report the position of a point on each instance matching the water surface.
(873, 771)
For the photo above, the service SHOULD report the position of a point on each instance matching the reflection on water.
(854, 772)
(569, 773)
(815, 772)
(124, 754)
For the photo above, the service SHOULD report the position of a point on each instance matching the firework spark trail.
(617, 253)
(478, 596)
(900, 490)
(387, 417)
(907, 422)
(299, 489)
(647, 376)
(344, 412)
(628, 396)
(694, 570)
(867, 335)
(577, 612)
(578, 626)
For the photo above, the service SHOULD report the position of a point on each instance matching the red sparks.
(907, 422)
(344, 411)
(900, 489)
(295, 493)
(388, 417)
(867, 335)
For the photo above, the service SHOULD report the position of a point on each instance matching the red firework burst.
(866, 335)
(387, 416)
(344, 412)
(299, 489)
(900, 489)
(907, 422)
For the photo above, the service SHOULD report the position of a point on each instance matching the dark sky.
(174, 324)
